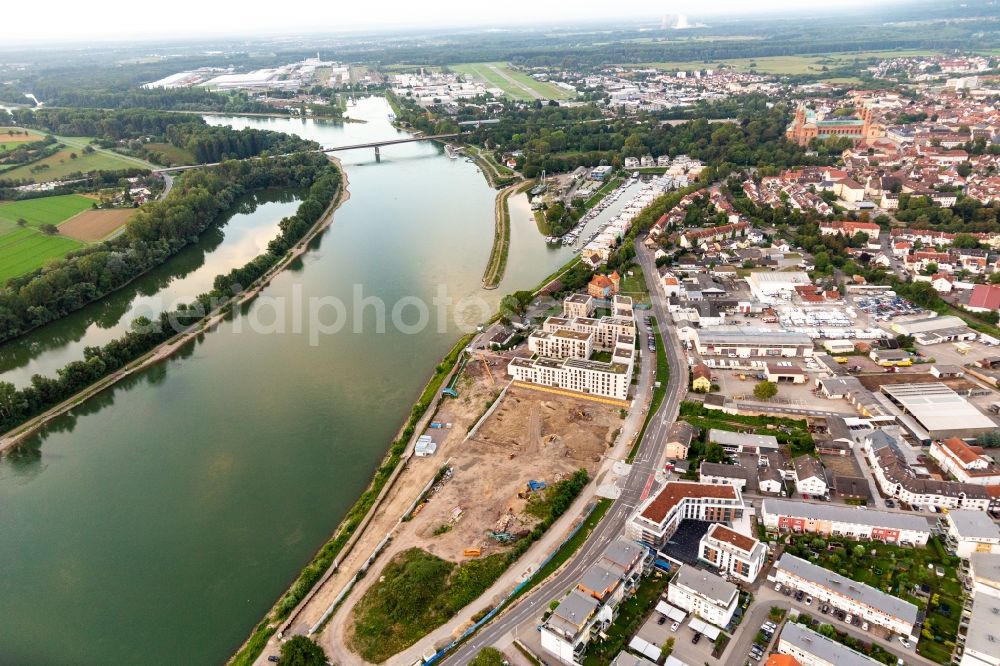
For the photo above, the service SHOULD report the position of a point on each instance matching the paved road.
(526, 614)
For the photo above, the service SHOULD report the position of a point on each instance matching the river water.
(160, 520)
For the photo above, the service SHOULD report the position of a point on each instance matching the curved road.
(529, 610)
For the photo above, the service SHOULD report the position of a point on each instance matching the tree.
(859, 551)
(509, 308)
(765, 390)
(49, 229)
(488, 657)
(21, 222)
(301, 651)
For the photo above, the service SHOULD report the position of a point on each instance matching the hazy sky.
(66, 20)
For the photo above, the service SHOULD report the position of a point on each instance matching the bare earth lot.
(518, 442)
(93, 225)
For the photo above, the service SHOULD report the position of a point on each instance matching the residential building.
(834, 520)
(561, 343)
(604, 286)
(984, 298)
(578, 306)
(965, 462)
(657, 518)
(868, 603)
(898, 479)
(849, 227)
(592, 605)
(979, 631)
(709, 472)
(704, 594)
(702, 378)
(810, 477)
(679, 438)
(607, 380)
(810, 648)
(969, 531)
(733, 553)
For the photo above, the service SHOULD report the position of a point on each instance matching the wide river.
(161, 519)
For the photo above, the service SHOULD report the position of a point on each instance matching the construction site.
(480, 485)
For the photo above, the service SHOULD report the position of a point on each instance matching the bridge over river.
(371, 144)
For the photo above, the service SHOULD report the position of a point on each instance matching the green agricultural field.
(61, 165)
(23, 250)
(515, 84)
(176, 156)
(791, 65)
(9, 141)
(45, 210)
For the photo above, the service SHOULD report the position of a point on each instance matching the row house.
(834, 520)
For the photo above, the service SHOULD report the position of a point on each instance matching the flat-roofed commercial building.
(736, 554)
(740, 442)
(750, 342)
(658, 516)
(969, 532)
(780, 515)
(704, 594)
(868, 603)
(941, 412)
(934, 330)
(767, 284)
(813, 649)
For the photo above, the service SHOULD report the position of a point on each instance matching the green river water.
(160, 520)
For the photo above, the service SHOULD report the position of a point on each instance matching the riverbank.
(497, 263)
(169, 347)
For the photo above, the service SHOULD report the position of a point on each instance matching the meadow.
(25, 249)
(61, 165)
(790, 65)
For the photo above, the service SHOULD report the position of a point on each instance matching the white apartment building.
(968, 464)
(578, 305)
(608, 380)
(604, 330)
(897, 479)
(780, 515)
(868, 603)
(562, 343)
(810, 477)
(979, 631)
(592, 605)
(969, 531)
(813, 649)
(736, 554)
(657, 518)
(704, 594)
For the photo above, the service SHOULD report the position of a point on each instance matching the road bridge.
(356, 146)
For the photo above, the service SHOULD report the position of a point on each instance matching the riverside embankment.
(160, 519)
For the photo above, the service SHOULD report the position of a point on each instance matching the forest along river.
(160, 520)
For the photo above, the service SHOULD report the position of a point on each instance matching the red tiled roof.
(985, 296)
(960, 450)
(673, 493)
(724, 534)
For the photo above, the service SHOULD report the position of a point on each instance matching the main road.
(529, 609)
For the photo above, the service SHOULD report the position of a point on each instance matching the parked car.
(662, 620)
(889, 503)
(777, 587)
(824, 609)
(904, 642)
(674, 626)
(809, 601)
(274, 658)
(696, 638)
(864, 626)
(799, 595)
(849, 619)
